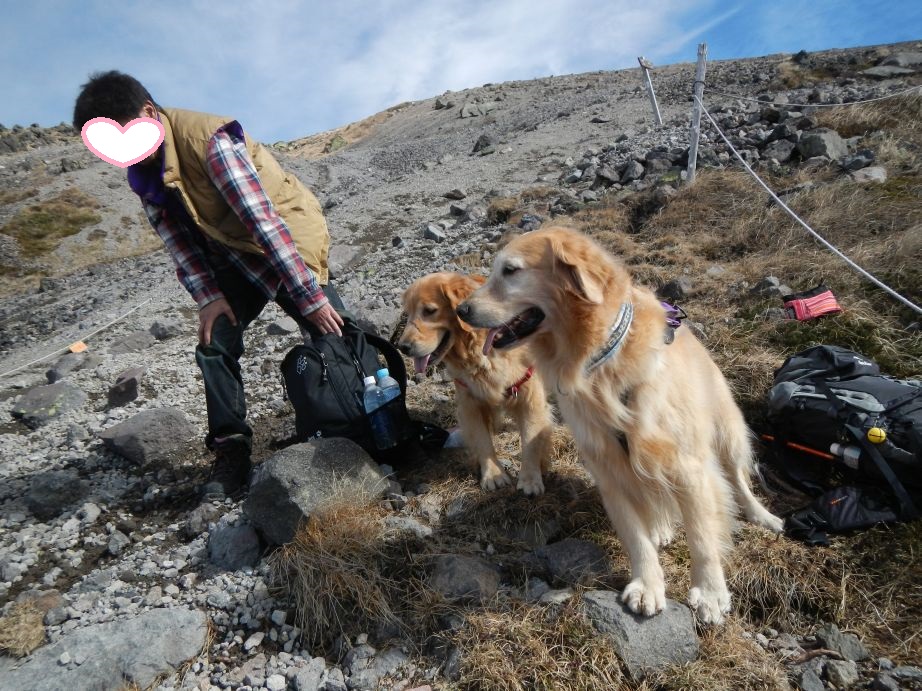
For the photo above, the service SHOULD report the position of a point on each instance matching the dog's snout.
(404, 347)
(464, 310)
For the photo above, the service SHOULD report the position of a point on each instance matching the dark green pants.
(220, 361)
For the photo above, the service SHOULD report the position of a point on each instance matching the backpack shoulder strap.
(908, 510)
(395, 364)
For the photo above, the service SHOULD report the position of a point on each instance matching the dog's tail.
(737, 457)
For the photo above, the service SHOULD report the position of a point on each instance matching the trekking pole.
(801, 447)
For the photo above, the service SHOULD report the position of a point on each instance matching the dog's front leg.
(535, 429)
(704, 498)
(646, 593)
(477, 430)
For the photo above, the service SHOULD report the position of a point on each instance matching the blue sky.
(287, 69)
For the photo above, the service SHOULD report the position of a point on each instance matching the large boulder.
(572, 561)
(233, 547)
(164, 329)
(134, 342)
(67, 363)
(904, 59)
(643, 643)
(848, 645)
(152, 437)
(116, 655)
(288, 487)
(459, 577)
(779, 150)
(52, 492)
(126, 387)
(822, 142)
(41, 404)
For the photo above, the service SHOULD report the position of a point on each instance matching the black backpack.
(323, 379)
(829, 395)
(839, 510)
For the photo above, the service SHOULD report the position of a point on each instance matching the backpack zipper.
(323, 364)
(325, 378)
(358, 366)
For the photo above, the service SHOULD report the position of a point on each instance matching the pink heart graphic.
(120, 145)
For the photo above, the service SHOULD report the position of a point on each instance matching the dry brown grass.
(866, 582)
(539, 193)
(38, 228)
(727, 662)
(22, 630)
(471, 262)
(520, 647)
(900, 117)
(325, 143)
(336, 572)
(346, 573)
(501, 209)
(17, 195)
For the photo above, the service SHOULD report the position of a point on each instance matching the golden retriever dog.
(652, 416)
(485, 386)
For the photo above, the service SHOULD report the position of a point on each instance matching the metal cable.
(815, 105)
(830, 246)
(65, 348)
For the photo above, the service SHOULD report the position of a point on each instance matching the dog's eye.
(509, 269)
(429, 311)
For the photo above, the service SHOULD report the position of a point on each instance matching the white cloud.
(287, 68)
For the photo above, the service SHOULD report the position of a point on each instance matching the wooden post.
(696, 112)
(645, 65)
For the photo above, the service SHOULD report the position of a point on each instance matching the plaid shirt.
(197, 256)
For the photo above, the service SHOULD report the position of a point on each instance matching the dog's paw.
(644, 598)
(759, 515)
(662, 536)
(494, 477)
(710, 606)
(772, 522)
(531, 484)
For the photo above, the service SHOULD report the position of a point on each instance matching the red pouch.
(811, 304)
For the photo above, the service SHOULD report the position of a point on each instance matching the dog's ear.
(581, 276)
(458, 289)
(407, 296)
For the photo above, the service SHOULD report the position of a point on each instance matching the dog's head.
(433, 327)
(554, 276)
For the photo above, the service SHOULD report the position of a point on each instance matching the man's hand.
(209, 314)
(326, 319)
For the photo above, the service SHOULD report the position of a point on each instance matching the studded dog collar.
(615, 337)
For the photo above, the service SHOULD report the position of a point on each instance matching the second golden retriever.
(485, 387)
(652, 416)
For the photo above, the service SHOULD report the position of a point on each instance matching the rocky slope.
(102, 543)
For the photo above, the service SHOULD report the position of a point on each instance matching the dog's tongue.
(420, 363)
(488, 343)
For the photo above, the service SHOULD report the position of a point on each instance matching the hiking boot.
(230, 471)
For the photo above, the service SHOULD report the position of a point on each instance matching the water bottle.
(388, 384)
(850, 455)
(381, 425)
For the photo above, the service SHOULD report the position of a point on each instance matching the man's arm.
(192, 270)
(230, 168)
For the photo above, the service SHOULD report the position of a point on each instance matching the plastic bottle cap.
(368, 380)
(381, 373)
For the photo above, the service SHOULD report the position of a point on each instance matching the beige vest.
(186, 137)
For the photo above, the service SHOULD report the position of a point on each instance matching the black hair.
(113, 95)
